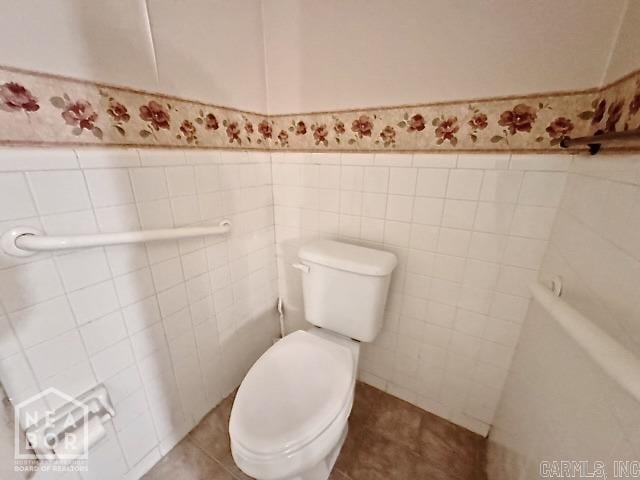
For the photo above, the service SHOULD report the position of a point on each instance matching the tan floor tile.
(215, 442)
(187, 462)
(397, 420)
(388, 439)
(443, 443)
(336, 475)
(378, 458)
(349, 448)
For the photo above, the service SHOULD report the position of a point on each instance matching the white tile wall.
(156, 323)
(469, 232)
(129, 315)
(557, 404)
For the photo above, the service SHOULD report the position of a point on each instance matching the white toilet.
(289, 418)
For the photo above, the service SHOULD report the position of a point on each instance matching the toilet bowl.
(289, 417)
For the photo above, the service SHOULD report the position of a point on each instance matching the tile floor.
(388, 439)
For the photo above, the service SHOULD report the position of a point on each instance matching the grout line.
(265, 63)
(130, 335)
(152, 43)
(614, 44)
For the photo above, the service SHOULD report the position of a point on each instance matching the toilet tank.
(345, 287)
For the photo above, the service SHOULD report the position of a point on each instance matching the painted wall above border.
(338, 54)
(41, 109)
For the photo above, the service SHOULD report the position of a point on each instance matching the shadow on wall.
(170, 328)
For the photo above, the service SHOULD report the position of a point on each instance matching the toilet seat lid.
(291, 394)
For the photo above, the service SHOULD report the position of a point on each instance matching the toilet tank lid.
(350, 258)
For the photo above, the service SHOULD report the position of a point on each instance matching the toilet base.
(322, 470)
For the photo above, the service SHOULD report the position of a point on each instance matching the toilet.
(289, 417)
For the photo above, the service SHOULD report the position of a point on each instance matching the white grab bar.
(618, 362)
(25, 241)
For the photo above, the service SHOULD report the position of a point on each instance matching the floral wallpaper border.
(45, 110)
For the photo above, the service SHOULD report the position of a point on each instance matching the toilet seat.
(293, 403)
(291, 394)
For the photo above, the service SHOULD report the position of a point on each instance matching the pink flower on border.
(301, 128)
(16, 97)
(233, 132)
(559, 127)
(388, 135)
(265, 129)
(598, 113)
(478, 121)
(118, 111)
(283, 137)
(320, 134)
(362, 126)
(155, 113)
(188, 129)
(446, 129)
(634, 106)
(210, 122)
(520, 119)
(416, 123)
(614, 113)
(80, 114)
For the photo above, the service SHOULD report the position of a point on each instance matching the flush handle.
(302, 267)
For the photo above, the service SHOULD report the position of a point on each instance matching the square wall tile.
(501, 186)
(181, 180)
(29, 284)
(134, 286)
(494, 217)
(428, 211)
(352, 178)
(83, 268)
(103, 332)
(376, 179)
(93, 302)
(432, 182)
(464, 184)
(149, 184)
(15, 197)
(109, 187)
(8, 343)
(453, 241)
(430, 160)
(16, 375)
(542, 188)
(392, 159)
(43, 321)
(24, 159)
(533, 222)
(397, 233)
(112, 360)
(374, 205)
(151, 157)
(108, 158)
(142, 314)
(399, 208)
(459, 213)
(524, 252)
(56, 355)
(402, 181)
(59, 191)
